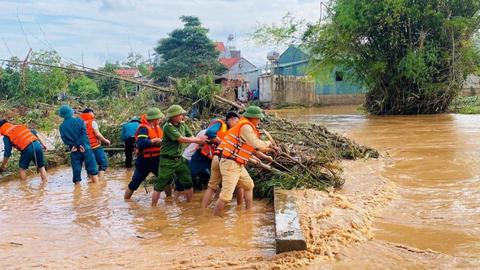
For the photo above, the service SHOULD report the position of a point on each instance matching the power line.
(23, 30)
(6, 45)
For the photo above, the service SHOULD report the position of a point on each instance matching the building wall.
(280, 90)
(252, 77)
(337, 87)
(241, 66)
(345, 99)
(293, 62)
(265, 84)
(294, 90)
(471, 87)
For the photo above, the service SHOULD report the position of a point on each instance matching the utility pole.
(321, 11)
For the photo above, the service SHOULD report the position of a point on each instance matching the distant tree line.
(187, 55)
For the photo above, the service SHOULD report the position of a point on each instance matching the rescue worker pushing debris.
(172, 164)
(148, 139)
(28, 143)
(235, 150)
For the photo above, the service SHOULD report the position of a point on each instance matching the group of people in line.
(214, 159)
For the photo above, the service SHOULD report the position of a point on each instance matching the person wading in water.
(74, 134)
(236, 149)
(172, 164)
(148, 139)
(96, 139)
(30, 145)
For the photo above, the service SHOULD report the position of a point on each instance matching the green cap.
(175, 110)
(253, 112)
(154, 113)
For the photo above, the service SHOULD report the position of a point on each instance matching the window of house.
(338, 76)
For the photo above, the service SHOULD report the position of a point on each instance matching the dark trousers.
(129, 148)
(143, 167)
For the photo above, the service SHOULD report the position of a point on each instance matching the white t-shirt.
(193, 147)
(94, 125)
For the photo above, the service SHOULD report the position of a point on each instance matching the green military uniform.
(171, 161)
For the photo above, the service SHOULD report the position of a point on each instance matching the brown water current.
(417, 207)
(54, 225)
(434, 163)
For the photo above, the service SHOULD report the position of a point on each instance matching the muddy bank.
(338, 219)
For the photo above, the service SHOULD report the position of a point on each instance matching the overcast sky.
(106, 30)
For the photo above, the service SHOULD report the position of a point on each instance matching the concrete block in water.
(288, 234)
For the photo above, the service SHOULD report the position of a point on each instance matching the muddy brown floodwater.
(434, 163)
(417, 207)
(55, 226)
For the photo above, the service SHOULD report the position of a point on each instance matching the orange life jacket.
(153, 132)
(234, 147)
(88, 119)
(208, 149)
(20, 136)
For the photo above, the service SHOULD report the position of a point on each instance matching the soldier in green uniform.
(172, 164)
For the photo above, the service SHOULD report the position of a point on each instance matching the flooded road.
(431, 164)
(54, 225)
(434, 161)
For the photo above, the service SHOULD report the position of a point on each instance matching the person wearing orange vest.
(148, 137)
(30, 145)
(96, 139)
(236, 148)
(201, 160)
(74, 134)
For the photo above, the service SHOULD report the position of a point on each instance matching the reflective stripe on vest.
(208, 149)
(88, 119)
(153, 132)
(234, 147)
(20, 136)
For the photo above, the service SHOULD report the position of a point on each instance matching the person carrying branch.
(31, 147)
(236, 149)
(96, 139)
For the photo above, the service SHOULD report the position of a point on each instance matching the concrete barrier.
(288, 234)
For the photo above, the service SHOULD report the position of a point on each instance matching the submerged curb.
(288, 234)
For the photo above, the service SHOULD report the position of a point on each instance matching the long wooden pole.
(96, 72)
(114, 76)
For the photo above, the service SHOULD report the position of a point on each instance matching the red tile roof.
(219, 46)
(129, 72)
(229, 62)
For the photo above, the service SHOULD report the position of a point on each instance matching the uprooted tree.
(411, 56)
